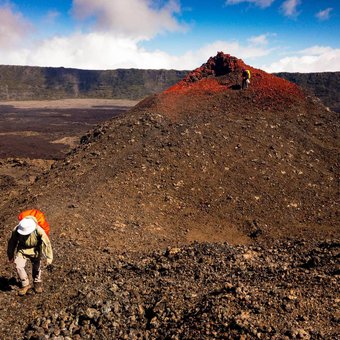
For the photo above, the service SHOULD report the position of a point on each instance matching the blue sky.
(275, 35)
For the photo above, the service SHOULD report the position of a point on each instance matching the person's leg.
(36, 273)
(36, 270)
(20, 264)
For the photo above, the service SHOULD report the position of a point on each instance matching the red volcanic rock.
(224, 73)
(220, 65)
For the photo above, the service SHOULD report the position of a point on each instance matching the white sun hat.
(26, 226)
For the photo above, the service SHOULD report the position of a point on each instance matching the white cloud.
(260, 3)
(289, 7)
(105, 51)
(259, 40)
(88, 51)
(123, 48)
(234, 48)
(51, 16)
(13, 27)
(133, 18)
(193, 59)
(324, 15)
(120, 28)
(316, 50)
(313, 59)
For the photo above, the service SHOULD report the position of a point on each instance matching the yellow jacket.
(32, 246)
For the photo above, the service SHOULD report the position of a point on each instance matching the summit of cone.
(221, 76)
(224, 71)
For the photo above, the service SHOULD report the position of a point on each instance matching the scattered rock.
(199, 290)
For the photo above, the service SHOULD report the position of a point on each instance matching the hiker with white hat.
(29, 242)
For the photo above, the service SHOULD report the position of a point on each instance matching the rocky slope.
(203, 161)
(204, 291)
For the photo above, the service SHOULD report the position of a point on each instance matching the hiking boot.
(38, 287)
(23, 291)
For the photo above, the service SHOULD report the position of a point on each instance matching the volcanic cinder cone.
(201, 161)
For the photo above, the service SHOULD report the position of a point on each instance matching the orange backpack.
(40, 219)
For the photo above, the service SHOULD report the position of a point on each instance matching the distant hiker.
(245, 78)
(29, 242)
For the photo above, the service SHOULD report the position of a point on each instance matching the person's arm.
(47, 248)
(12, 245)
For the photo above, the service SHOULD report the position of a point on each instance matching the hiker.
(245, 78)
(29, 242)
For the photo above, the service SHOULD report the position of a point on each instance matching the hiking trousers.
(244, 84)
(20, 263)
